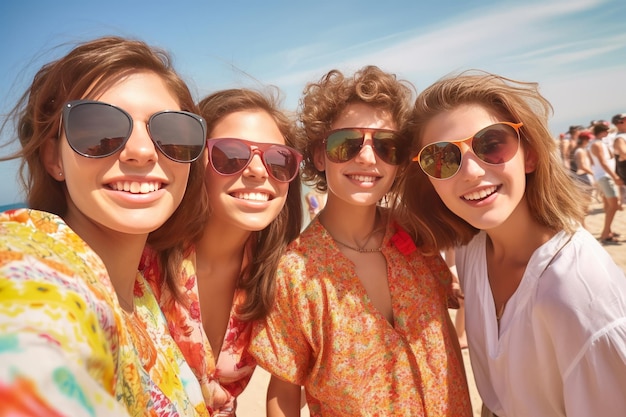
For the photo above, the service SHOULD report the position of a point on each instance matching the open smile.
(136, 187)
(481, 194)
(256, 196)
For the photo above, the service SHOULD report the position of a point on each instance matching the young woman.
(545, 304)
(255, 211)
(360, 317)
(108, 142)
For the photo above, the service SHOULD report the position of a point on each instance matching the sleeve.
(279, 342)
(55, 358)
(441, 271)
(596, 385)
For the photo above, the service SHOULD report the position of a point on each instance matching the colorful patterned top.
(222, 380)
(324, 333)
(66, 345)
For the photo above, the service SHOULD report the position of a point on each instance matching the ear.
(530, 161)
(319, 158)
(51, 158)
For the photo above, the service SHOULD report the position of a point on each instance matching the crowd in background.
(596, 157)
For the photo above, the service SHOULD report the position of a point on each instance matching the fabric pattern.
(324, 333)
(222, 378)
(66, 345)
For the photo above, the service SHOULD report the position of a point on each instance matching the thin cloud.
(505, 39)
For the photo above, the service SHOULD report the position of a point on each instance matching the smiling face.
(483, 195)
(365, 179)
(249, 200)
(136, 189)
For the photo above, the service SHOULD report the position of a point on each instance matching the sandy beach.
(252, 401)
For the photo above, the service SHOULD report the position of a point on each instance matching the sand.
(252, 401)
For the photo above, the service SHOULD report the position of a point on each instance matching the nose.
(366, 155)
(471, 166)
(139, 148)
(256, 167)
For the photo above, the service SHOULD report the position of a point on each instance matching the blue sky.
(575, 49)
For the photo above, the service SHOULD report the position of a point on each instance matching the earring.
(60, 174)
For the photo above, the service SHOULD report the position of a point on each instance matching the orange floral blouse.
(325, 334)
(223, 378)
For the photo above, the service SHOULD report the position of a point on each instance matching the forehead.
(364, 115)
(459, 123)
(252, 125)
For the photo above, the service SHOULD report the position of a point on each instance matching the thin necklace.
(500, 312)
(359, 249)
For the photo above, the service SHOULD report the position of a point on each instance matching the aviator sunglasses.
(494, 145)
(230, 156)
(95, 129)
(345, 144)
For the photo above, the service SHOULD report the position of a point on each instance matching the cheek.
(282, 189)
(179, 178)
(445, 191)
(215, 181)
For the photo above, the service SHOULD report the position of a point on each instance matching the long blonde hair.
(553, 197)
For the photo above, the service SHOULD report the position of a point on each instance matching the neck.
(120, 254)
(220, 248)
(356, 227)
(517, 238)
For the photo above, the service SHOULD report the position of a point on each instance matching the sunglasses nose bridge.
(140, 144)
(366, 153)
(471, 164)
(256, 165)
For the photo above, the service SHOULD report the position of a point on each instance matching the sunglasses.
(229, 156)
(494, 145)
(96, 130)
(342, 145)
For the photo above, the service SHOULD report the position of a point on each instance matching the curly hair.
(86, 72)
(323, 102)
(515, 101)
(257, 280)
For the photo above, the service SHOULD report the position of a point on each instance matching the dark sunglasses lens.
(387, 147)
(440, 160)
(229, 156)
(281, 163)
(180, 136)
(96, 129)
(496, 144)
(343, 145)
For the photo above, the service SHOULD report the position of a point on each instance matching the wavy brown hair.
(258, 278)
(324, 100)
(551, 193)
(87, 71)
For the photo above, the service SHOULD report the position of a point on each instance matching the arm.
(283, 398)
(455, 286)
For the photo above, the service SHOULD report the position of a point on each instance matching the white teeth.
(252, 196)
(363, 178)
(479, 195)
(136, 187)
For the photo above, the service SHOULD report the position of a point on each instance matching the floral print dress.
(66, 345)
(222, 378)
(324, 332)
